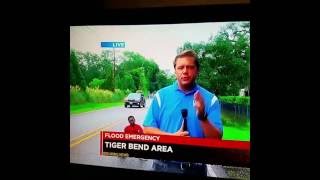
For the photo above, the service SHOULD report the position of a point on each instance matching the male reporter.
(184, 102)
(164, 115)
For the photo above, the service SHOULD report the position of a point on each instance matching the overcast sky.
(157, 42)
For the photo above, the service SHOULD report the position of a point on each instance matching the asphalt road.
(85, 141)
(113, 119)
(84, 136)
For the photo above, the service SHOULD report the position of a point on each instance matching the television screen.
(162, 97)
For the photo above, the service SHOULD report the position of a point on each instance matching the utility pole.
(113, 45)
(114, 71)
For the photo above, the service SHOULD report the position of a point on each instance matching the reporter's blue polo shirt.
(165, 110)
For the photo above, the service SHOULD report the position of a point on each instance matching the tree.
(96, 83)
(162, 80)
(76, 75)
(142, 70)
(125, 82)
(97, 66)
(107, 69)
(135, 72)
(224, 59)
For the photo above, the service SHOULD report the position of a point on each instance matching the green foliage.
(126, 92)
(135, 72)
(236, 116)
(140, 74)
(99, 95)
(96, 66)
(224, 69)
(76, 74)
(125, 82)
(77, 96)
(96, 83)
(239, 100)
(224, 60)
(94, 95)
(230, 118)
(118, 95)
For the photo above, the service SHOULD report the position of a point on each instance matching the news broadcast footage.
(166, 97)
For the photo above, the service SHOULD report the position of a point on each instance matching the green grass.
(235, 127)
(236, 133)
(80, 108)
(229, 119)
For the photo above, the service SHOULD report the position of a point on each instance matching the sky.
(157, 42)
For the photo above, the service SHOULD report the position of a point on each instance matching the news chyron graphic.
(134, 103)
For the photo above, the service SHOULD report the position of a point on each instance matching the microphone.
(184, 113)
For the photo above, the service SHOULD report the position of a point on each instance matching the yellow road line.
(89, 135)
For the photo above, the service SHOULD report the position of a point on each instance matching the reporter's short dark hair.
(130, 117)
(187, 52)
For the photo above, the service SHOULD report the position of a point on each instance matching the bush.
(229, 119)
(96, 83)
(235, 110)
(240, 100)
(127, 92)
(94, 95)
(77, 96)
(118, 95)
(99, 95)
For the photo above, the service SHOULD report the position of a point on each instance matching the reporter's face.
(131, 121)
(186, 70)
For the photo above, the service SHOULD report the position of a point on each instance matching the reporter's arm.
(209, 130)
(211, 123)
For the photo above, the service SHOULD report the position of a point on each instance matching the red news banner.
(224, 152)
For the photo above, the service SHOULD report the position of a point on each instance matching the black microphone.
(184, 113)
